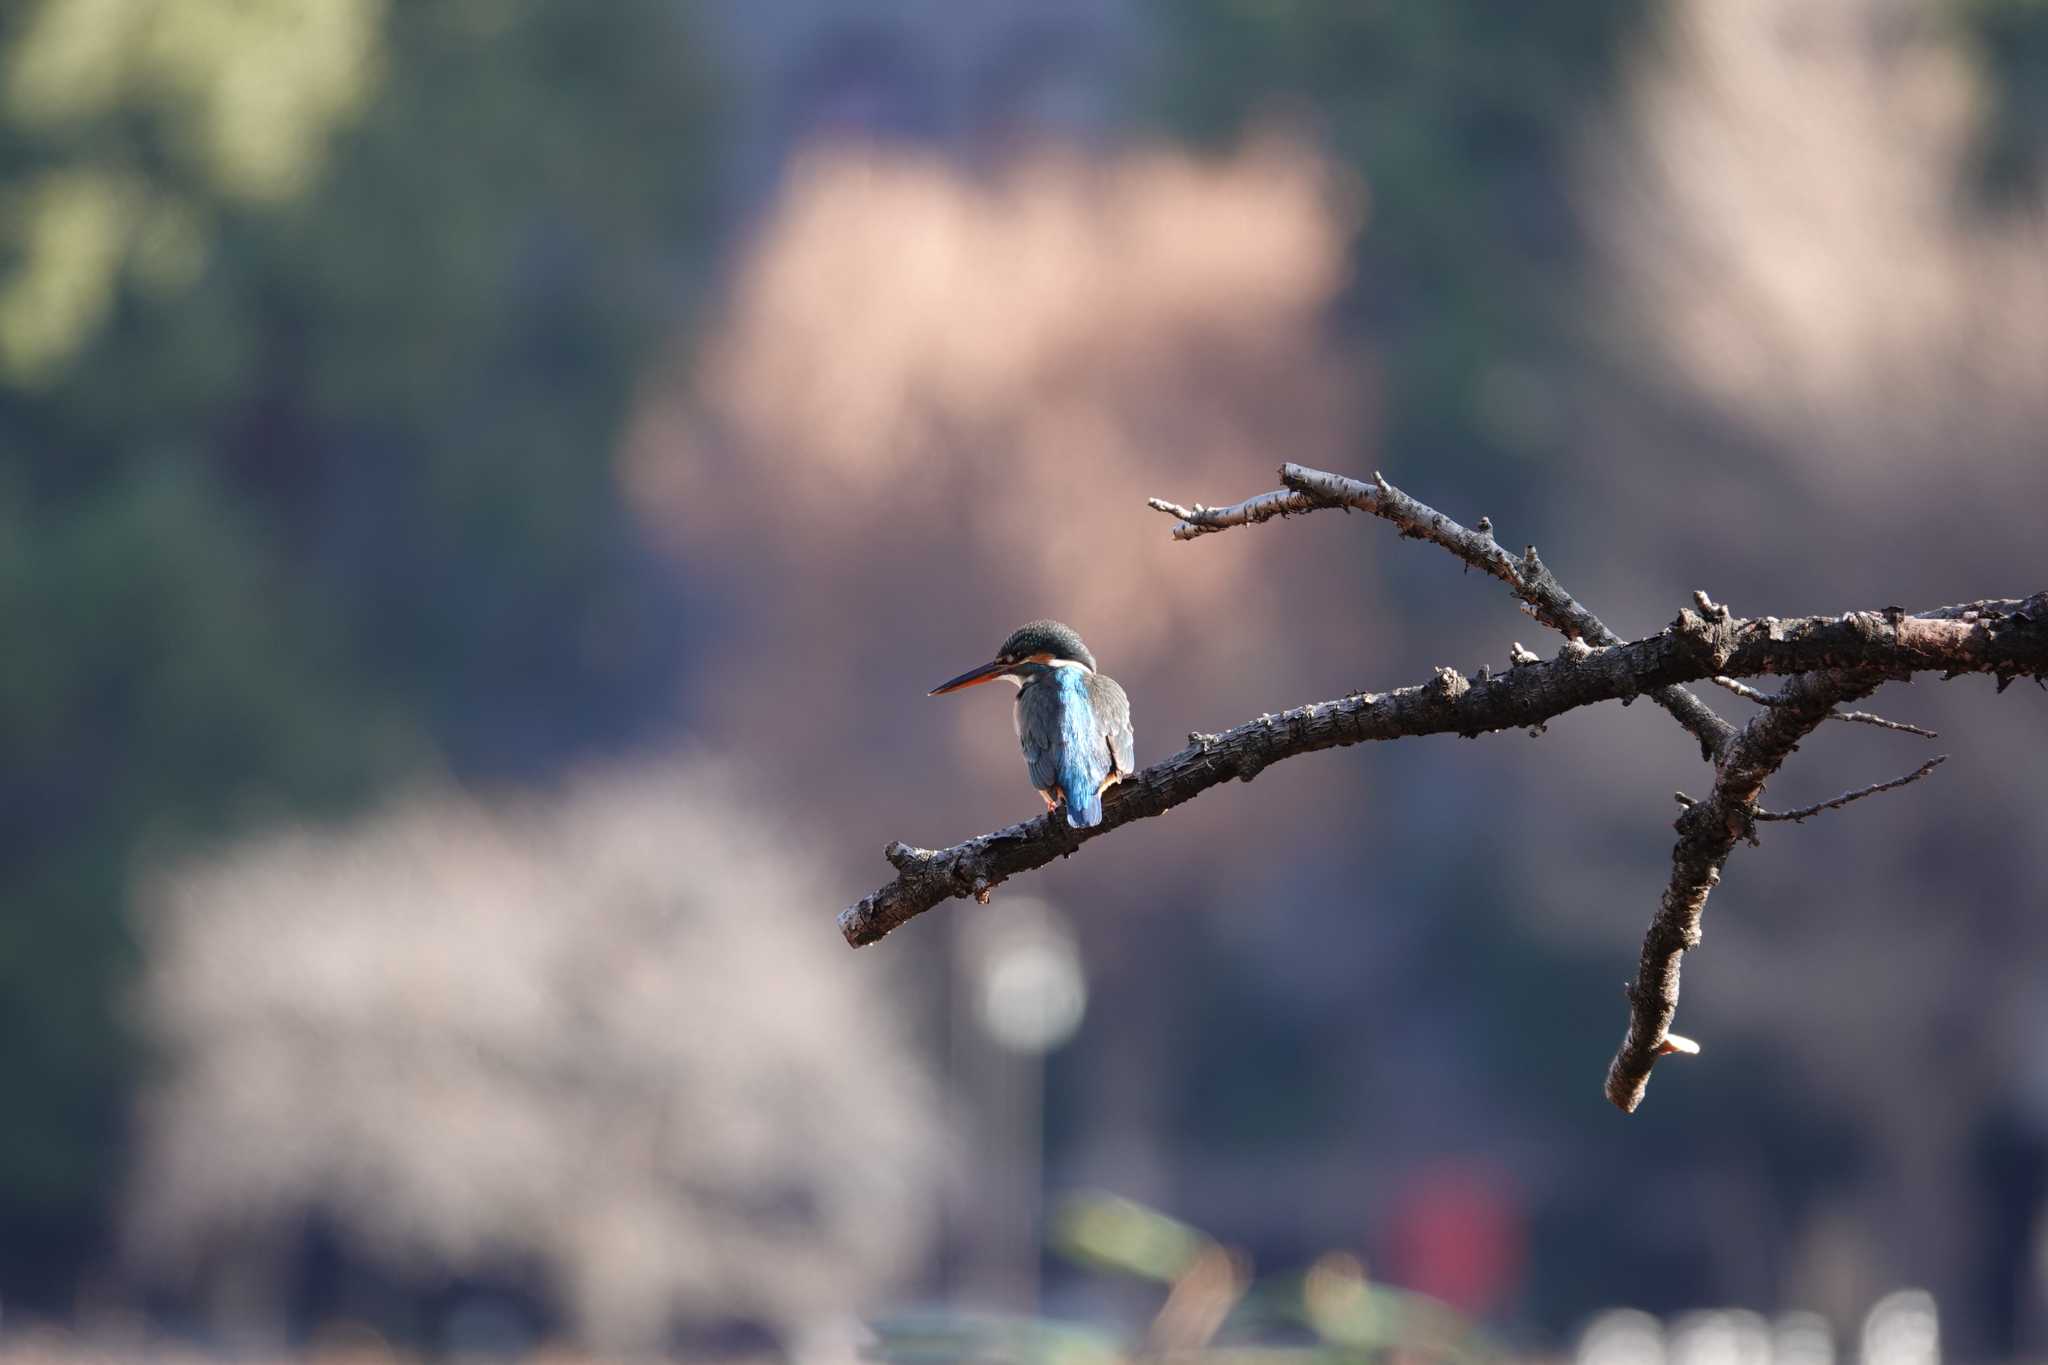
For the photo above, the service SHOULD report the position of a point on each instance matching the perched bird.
(1074, 723)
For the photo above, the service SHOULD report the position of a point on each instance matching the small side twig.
(1200, 520)
(1868, 718)
(1745, 691)
(1805, 812)
(1748, 693)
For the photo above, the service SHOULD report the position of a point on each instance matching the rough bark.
(2007, 639)
(1707, 833)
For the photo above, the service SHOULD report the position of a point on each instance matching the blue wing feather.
(1061, 726)
(1084, 755)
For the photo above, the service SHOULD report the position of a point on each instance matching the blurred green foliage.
(1213, 1309)
(1459, 117)
(2010, 38)
(318, 320)
(1111, 1233)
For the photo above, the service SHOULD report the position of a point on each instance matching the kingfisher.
(1074, 723)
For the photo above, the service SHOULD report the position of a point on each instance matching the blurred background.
(486, 484)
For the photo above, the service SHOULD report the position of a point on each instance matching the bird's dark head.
(1030, 649)
(1049, 639)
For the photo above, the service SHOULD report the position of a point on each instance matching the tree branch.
(1808, 812)
(1828, 661)
(1707, 834)
(1709, 830)
(1541, 594)
(2009, 640)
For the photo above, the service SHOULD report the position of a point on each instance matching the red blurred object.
(1457, 1234)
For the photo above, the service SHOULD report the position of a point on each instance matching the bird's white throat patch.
(1017, 682)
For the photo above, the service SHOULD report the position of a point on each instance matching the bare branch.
(1748, 693)
(1868, 718)
(1201, 521)
(1745, 691)
(1828, 660)
(1806, 812)
(1872, 646)
(1709, 830)
(1707, 834)
(1525, 575)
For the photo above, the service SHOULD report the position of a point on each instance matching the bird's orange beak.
(973, 677)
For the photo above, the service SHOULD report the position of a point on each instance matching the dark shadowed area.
(485, 489)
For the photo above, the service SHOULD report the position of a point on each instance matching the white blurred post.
(1902, 1328)
(1019, 992)
(1621, 1336)
(1802, 1338)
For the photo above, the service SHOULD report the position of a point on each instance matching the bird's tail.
(1084, 811)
